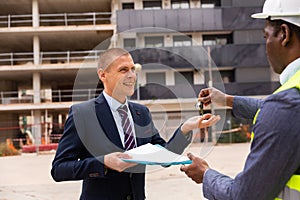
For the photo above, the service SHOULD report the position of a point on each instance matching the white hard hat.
(287, 10)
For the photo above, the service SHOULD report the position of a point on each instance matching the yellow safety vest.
(291, 190)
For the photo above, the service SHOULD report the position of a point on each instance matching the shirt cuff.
(189, 136)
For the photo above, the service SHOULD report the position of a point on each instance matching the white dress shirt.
(114, 105)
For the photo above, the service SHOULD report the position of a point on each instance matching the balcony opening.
(129, 43)
(127, 6)
(156, 78)
(182, 40)
(227, 76)
(220, 39)
(154, 41)
(152, 5)
(184, 78)
(180, 4)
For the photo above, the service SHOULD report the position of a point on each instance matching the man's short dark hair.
(277, 23)
(109, 56)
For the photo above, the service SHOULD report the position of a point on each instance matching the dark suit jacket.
(90, 133)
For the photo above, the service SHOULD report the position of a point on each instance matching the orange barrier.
(42, 147)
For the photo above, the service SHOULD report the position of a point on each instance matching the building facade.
(49, 49)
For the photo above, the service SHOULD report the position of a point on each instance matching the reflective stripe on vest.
(291, 190)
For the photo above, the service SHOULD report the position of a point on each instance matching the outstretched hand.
(195, 170)
(197, 122)
(213, 95)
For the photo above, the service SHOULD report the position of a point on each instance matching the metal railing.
(13, 97)
(10, 97)
(149, 91)
(69, 56)
(16, 58)
(49, 57)
(67, 19)
(15, 20)
(74, 94)
(59, 19)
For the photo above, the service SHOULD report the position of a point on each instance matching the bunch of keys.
(199, 106)
(203, 131)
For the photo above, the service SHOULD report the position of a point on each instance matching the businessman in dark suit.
(94, 140)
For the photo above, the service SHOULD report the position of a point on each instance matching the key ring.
(199, 106)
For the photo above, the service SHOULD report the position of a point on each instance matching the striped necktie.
(129, 141)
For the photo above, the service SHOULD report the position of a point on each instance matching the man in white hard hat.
(272, 168)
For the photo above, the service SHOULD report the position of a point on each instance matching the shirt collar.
(289, 71)
(113, 103)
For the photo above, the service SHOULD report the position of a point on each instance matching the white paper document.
(150, 154)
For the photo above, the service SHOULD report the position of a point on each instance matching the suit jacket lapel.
(107, 121)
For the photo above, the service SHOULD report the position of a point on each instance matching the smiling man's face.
(119, 78)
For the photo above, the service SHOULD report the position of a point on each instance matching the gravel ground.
(27, 177)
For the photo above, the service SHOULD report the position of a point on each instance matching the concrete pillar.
(140, 41)
(142, 78)
(36, 24)
(170, 77)
(166, 4)
(35, 14)
(36, 128)
(197, 39)
(138, 4)
(36, 82)
(168, 40)
(36, 50)
(114, 8)
(199, 77)
(62, 118)
(194, 4)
